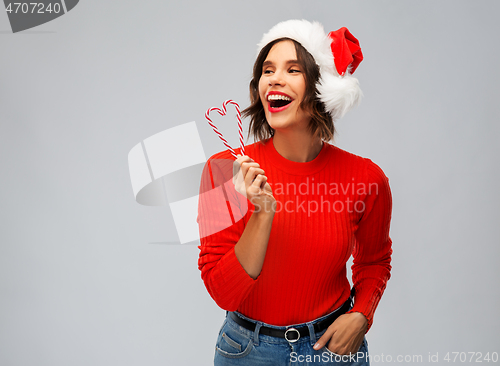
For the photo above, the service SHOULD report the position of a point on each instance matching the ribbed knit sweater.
(334, 206)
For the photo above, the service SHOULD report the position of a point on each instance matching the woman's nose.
(277, 79)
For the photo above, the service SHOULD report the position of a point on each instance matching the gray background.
(81, 282)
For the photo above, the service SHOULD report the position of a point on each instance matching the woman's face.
(282, 87)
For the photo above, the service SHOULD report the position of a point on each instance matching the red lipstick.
(278, 105)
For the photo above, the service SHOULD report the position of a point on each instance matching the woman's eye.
(294, 70)
(267, 71)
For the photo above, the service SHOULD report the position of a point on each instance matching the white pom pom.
(339, 93)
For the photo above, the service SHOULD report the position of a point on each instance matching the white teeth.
(278, 97)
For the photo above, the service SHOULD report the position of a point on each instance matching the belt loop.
(312, 333)
(256, 333)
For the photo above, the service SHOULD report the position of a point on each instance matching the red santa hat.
(337, 54)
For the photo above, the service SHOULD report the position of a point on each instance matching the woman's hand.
(345, 335)
(250, 181)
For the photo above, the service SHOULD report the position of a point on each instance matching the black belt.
(292, 334)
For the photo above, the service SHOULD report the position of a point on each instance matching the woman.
(279, 224)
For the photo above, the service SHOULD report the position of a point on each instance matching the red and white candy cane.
(223, 113)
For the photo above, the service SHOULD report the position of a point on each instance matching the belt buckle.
(292, 340)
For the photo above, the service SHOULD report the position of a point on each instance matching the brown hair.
(321, 122)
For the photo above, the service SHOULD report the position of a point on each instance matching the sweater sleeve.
(371, 267)
(221, 221)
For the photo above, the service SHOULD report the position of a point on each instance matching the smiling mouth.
(277, 101)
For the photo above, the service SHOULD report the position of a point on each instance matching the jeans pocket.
(232, 343)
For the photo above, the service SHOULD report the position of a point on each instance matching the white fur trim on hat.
(339, 94)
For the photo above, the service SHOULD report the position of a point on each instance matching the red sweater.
(336, 205)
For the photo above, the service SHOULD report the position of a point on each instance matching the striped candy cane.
(223, 113)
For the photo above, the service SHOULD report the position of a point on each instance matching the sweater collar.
(293, 167)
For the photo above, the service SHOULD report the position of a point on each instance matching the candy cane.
(223, 113)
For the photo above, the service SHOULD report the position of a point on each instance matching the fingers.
(251, 174)
(237, 165)
(345, 335)
(243, 164)
(259, 181)
(324, 339)
(248, 171)
(242, 158)
(238, 174)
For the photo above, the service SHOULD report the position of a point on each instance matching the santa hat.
(337, 54)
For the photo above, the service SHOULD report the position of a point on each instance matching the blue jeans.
(239, 346)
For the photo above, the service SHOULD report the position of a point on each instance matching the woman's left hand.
(345, 334)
